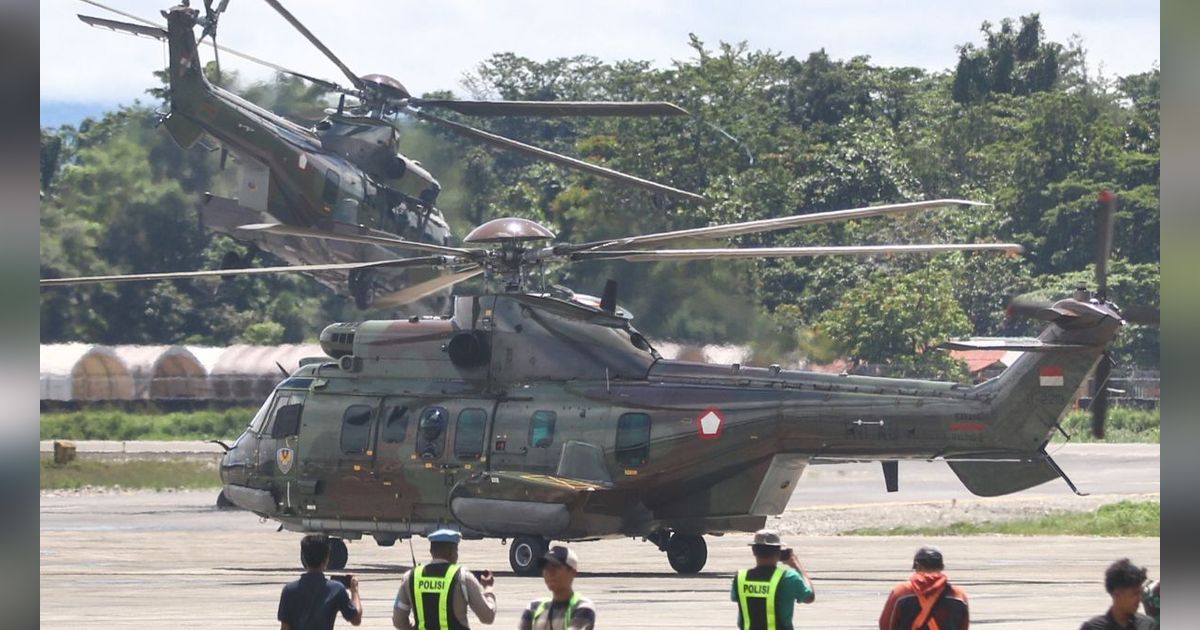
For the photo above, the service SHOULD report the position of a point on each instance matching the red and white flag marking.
(1051, 376)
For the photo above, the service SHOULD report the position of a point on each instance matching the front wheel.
(524, 553)
(687, 553)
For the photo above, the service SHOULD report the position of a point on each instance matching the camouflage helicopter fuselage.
(526, 415)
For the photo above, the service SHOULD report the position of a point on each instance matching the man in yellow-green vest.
(564, 609)
(437, 595)
(767, 594)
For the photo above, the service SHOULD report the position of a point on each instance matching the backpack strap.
(927, 607)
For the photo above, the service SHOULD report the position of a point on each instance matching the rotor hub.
(510, 229)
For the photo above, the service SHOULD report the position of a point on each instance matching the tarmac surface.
(171, 559)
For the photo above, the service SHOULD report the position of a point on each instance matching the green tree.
(896, 321)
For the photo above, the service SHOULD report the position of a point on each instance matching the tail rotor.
(1083, 309)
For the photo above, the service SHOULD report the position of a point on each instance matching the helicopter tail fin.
(1039, 387)
(185, 65)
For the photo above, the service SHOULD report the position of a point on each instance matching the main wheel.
(524, 553)
(687, 553)
(338, 554)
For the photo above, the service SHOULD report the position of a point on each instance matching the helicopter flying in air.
(535, 415)
(346, 175)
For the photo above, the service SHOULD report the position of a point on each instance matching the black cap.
(559, 555)
(929, 557)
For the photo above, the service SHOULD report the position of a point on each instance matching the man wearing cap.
(564, 609)
(768, 593)
(443, 590)
(927, 600)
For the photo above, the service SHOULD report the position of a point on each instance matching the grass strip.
(1123, 519)
(114, 424)
(149, 474)
(1123, 425)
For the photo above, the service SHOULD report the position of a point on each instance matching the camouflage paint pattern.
(726, 445)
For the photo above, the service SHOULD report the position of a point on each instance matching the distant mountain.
(55, 114)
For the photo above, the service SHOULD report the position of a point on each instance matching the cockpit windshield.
(261, 416)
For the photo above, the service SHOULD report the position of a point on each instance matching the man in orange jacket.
(927, 601)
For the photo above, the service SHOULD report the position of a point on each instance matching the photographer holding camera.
(768, 593)
(313, 602)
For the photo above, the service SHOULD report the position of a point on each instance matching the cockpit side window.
(282, 399)
(330, 192)
(431, 432)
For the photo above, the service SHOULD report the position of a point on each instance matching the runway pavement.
(152, 560)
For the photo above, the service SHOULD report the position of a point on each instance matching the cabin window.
(395, 427)
(468, 438)
(356, 429)
(332, 181)
(541, 429)
(633, 439)
(431, 433)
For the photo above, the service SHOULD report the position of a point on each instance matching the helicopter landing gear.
(234, 260)
(687, 553)
(362, 288)
(524, 553)
(338, 554)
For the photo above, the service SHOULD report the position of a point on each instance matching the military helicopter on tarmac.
(345, 175)
(537, 415)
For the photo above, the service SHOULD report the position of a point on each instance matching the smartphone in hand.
(344, 579)
(786, 554)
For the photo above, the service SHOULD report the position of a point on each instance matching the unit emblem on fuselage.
(284, 458)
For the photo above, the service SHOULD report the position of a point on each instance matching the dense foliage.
(1018, 122)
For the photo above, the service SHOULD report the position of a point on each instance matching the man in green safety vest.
(564, 609)
(767, 594)
(437, 595)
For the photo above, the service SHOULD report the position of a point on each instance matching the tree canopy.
(1019, 122)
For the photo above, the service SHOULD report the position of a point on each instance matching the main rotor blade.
(369, 239)
(424, 261)
(1141, 314)
(556, 108)
(429, 287)
(779, 223)
(1099, 406)
(157, 32)
(790, 252)
(1104, 239)
(119, 12)
(557, 158)
(357, 82)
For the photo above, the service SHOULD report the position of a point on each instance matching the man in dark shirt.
(1123, 581)
(313, 602)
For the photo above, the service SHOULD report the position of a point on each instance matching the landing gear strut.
(362, 288)
(524, 553)
(338, 554)
(687, 553)
(234, 260)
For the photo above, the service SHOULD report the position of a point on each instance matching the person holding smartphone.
(767, 594)
(313, 602)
